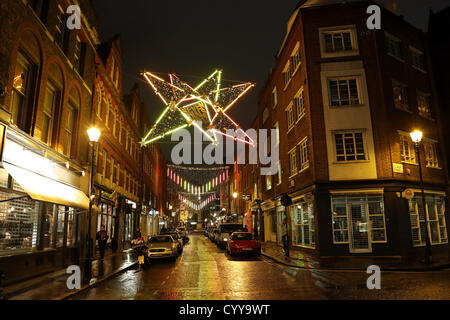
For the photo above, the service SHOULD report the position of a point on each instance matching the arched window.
(70, 124)
(24, 81)
(99, 100)
(52, 103)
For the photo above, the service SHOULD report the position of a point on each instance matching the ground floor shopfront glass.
(107, 216)
(358, 220)
(29, 225)
(302, 224)
(435, 211)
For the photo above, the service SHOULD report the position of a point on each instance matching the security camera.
(2, 90)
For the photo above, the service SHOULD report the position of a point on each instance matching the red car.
(243, 242)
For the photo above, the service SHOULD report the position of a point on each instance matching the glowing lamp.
(94, 134)
(416, 136)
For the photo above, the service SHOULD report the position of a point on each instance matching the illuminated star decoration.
(208, 103)
(221, 100)
(182, 107)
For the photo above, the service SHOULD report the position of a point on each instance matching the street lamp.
(94, 135)
(416, 137)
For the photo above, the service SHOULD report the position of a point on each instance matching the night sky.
(193, 38)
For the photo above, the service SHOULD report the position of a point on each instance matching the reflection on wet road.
(204, 272)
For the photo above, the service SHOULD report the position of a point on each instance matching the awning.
(41, 188)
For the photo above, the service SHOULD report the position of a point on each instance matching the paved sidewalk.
(53, 286)
(300, 259)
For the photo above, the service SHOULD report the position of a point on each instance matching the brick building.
(59, 83)
(46, 69)
(345, 99)
(120, 118)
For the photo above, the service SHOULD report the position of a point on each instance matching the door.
(359, 228)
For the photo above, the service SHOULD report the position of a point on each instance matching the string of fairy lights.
(196, 195)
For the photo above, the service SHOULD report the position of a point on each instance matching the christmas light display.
(190, 188)
(185, 106)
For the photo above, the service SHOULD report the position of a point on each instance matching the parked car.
(243, 242)
(224, 231)
(176, 236)
(162, 246)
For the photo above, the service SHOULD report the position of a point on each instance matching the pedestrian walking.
(102, 238)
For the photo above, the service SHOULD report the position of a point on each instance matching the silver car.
(162, 246)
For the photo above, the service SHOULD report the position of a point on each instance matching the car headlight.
(225, 239)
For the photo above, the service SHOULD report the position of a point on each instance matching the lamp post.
(235, 195)
(416, 137)
(94, 135)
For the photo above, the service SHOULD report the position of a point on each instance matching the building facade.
(46, 70)
(59, 83)
(344, 100)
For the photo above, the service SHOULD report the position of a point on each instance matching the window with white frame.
(435, 211)
(99, 101)
(303, 149)
(277, 132)
(400, 95)
(265, 114)
(290, 117)
(287, 74)
(344, 91)
(407, 149)
(299, 102)
(293, 162)
(111, 170)
(104, 159)
(108, 107)
(274, 97)
(279, 173)
(339, 40)
(296, 59)
(373, 204)
(431, 154)
(114, 119)
(303, 224)
(417, 58)
(350, 146)
(423, 104)
(268, 182)
(393, 46)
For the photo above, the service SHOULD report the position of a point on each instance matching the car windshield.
(228, 228)
(243, 236)
(159, 239)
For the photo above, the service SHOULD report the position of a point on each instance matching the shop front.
(108, 216)
(42, 209)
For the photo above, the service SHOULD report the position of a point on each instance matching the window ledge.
(395, 57)
(304, 169)
(296, 69)
(410, 163)
(437, 168)
(347, 106)
(425, 116)
(293, 176)
(287, 84)
(403, 109)
(419, 69)
(351, 162)
(290, 129)
(338, 54)
(300, 118)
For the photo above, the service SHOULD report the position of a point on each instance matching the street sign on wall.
(247, 197)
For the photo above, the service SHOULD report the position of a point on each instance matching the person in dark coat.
(102, 238)
(137, 234)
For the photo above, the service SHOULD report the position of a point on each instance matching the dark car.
(244, 243)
